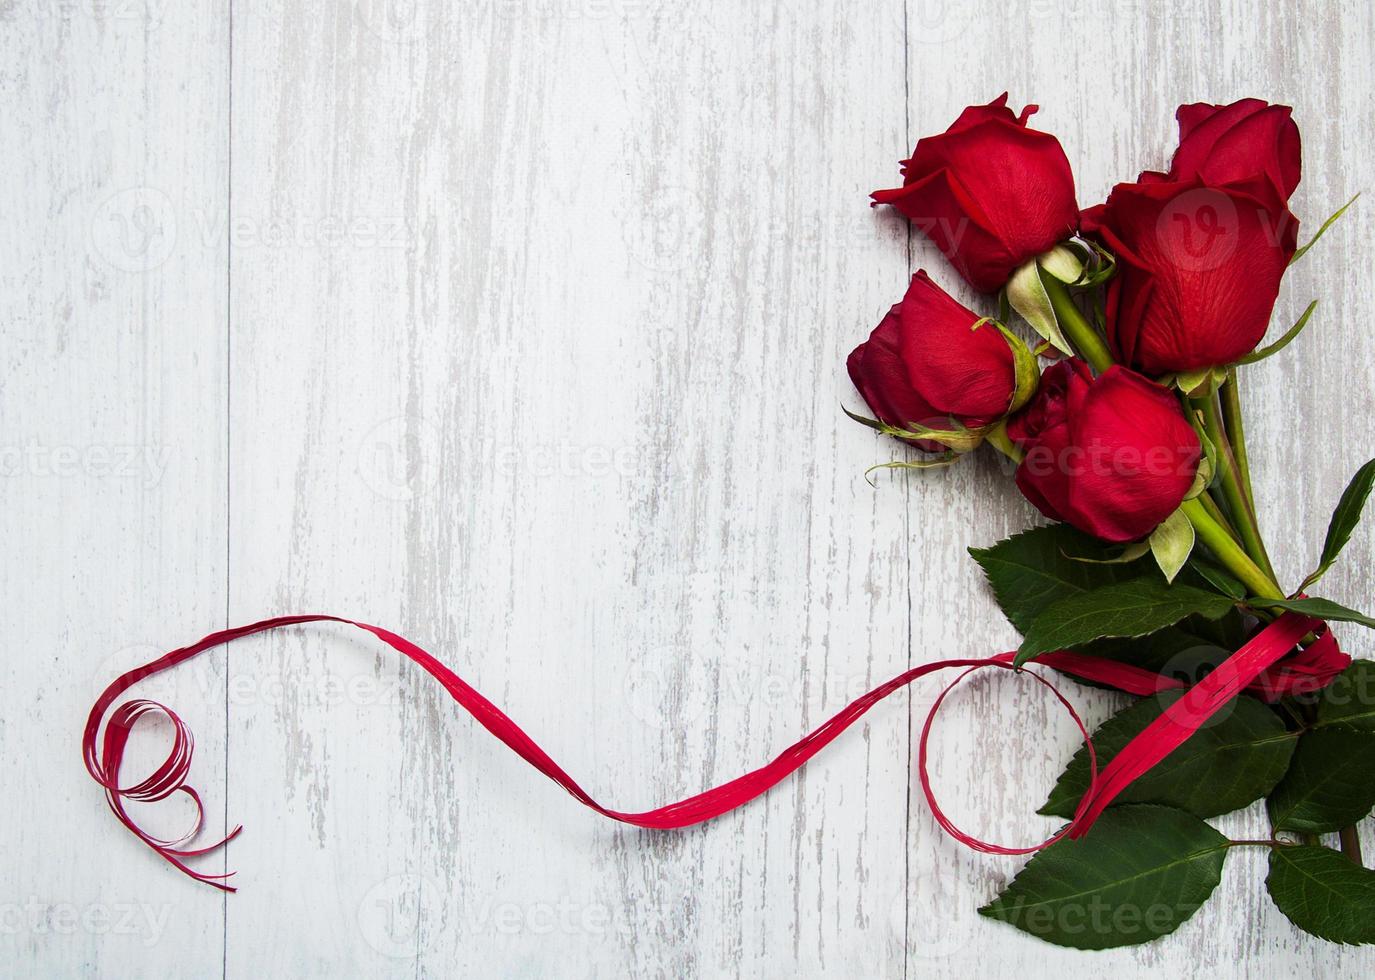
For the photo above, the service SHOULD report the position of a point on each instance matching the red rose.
(1114, 456)
(989, 192)
(1221, 144)
(926, 364)
(1199, 267)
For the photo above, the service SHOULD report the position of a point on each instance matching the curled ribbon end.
(105, 758)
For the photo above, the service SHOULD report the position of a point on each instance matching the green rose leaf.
(1349, 701)
(1323, 893)
(1124, 609)
(1136, 876)
(1234, 760)
(1330, 783)
(1320, 609)
(1031, 570)
(1344, 520)
(1186, 650)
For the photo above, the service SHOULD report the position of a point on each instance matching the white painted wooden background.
(519, 326)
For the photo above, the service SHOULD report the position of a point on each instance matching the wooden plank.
(580, 434)
(112, 420)
(536, 319)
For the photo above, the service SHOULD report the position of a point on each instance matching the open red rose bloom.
(989, 191)
(1116, 403)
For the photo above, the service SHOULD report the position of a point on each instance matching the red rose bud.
(1222, 144)
(1113, 456)
(1199, 267)
(991, 193)
(926, 365)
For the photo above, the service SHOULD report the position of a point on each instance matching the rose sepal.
(959, 438)
(1130, 552)
(1262, 353)
(1027, 294)
(1203, 479)
(1171, 544)
(1097, 264)
(1332, 220)
(945, 459)
(1196, 384)
(1026, 370)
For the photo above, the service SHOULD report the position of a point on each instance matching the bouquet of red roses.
(1154, 580)
(1131, 439)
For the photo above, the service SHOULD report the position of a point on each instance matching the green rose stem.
(1214, 532)
(1229, 552)
(1236, 432)
(1202, 512)
(1215, 512)
(997, 438)
(1076, 328)
(1230, 397)
(1229, 477)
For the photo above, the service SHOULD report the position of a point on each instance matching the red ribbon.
(1256, 665)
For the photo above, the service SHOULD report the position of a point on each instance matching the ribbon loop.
(1254, 664)
(942, 820)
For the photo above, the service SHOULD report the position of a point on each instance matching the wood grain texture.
(520, 329)
(112, 482)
